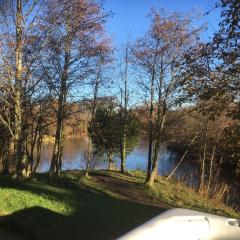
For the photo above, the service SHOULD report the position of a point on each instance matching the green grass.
(102, 206)
(179, 195)
(18, 195)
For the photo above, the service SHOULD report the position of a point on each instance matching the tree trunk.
(1, 153)
(110, 161)
(154, 172)
(94, 105)
(26, 171)
(123, 153)
(124, 114)
(56, 162)
(59, 162)
(6, 157)
(34, 136)
(161, 110)
(150, 129)
(39, 151)
(18, 141)
(54, 167)
(211, 162)
(203, 161)
(88, 156)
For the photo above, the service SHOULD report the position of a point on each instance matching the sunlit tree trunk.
(160, 125)
(203, 160)
(124, 115)
(160, 117)
(123, 152)
(18, 141)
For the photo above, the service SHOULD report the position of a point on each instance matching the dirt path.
(132, 191)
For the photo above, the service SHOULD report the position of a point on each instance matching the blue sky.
(130, 16)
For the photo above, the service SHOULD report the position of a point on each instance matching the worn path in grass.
(127, 187)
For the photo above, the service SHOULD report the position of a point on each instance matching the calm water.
(75, 150)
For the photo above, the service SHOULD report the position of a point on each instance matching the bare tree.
(18, 35)
(124, 105)
(159, 54)
(75, 39)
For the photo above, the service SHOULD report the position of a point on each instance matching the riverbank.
(102, 206)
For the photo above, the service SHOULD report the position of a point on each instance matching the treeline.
(169, 85)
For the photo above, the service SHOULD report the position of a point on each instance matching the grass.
(179, 195)
(102, 206)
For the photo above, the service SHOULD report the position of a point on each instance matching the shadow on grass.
(95, 215)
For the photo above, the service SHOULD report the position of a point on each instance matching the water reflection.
(75, 150)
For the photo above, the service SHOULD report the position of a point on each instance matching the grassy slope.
(103, 206)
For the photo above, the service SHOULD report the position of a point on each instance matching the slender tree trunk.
(203, 160)
(39, 151)
(18, 91)
(160, 119)
(2, 152)
(122, 145)
(26, 166)
(211, 162)
(54, 167)
(94, 105)
(6, 157)
(34, 136)
(123, 153)
(150, 129)
(56, 162)
(88, 156)
(125, 112)
(59, 162)
(154, 172)
(110, 161)
(185, 153)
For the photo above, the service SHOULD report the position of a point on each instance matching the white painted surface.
(184, 224)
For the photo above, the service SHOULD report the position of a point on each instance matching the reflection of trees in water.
(96, 161)
(75, 155)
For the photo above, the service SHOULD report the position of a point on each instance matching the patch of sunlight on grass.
(14, 200)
